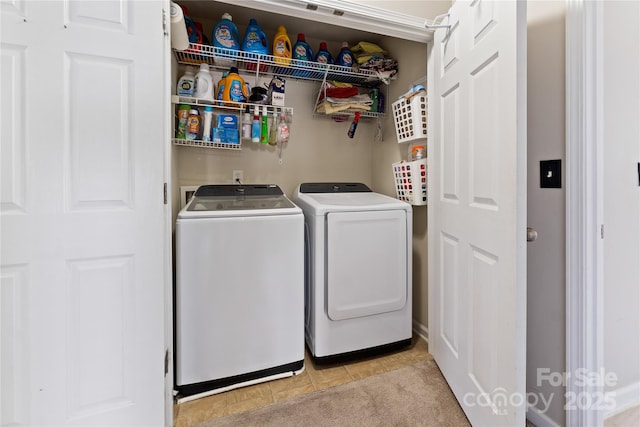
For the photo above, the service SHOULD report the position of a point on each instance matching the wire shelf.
(206, 144)
(222, 59)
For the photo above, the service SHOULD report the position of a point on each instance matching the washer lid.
(321, 203)
(334, 187)
(238, 200)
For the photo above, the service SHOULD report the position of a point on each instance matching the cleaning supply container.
(345, 57)
(323, 56)
(204, 84)
(255, 45)
(282, 50)
(235, 89)
(302, 52)
(226, 41)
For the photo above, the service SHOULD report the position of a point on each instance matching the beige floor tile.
(366, 368)
(257, 391)
(295, 381)
(251, 403)
(334, 375)
(313, 378)
(200, 410)
(293, 392)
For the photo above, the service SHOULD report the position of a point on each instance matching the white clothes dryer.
(357, 270)
(239, 289)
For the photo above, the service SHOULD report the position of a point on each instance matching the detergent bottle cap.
(345, 44)
(323, 45)
(226, 15)
(233, 70)
(301, 37)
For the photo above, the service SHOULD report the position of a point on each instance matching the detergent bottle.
(225, 35)
(235, 89)
(282, 48)
(203, 83)
(221, 83)
(255, 44)
(345, 56)
(323, 56)
(302, 52)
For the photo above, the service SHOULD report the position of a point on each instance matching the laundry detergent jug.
(254, 45)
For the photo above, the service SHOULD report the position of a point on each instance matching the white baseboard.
(421, 330)
(539, 418)
(625, 398)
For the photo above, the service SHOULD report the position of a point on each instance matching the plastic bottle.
(282, 134)
(264, 131)
(323, 56)
(345, 57)
(255, 43)
(193, 125)
(302, 52)
(221, 84)
(273, 129)
(255, 126)
(186, 83)
(235, 89)
(204, 84)
(246, 124)
(225, 35)
(206, 128)
(183, 117)
(282, 48)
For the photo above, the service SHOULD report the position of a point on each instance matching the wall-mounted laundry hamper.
(411, 181)
(410, 117)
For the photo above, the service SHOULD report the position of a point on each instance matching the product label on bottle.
(283, 133)
(280, 48)
(346, 61)
(254, 43)
(186, 88)
(322, 59)
(225, 38)
(235, 92)
(300, 52)
(193, 126)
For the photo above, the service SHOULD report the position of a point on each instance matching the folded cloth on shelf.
(331, 105)
(341, 92)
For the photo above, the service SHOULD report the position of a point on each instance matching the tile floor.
(311, 379)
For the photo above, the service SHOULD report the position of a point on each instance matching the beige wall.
(546, 206)
(319, 149)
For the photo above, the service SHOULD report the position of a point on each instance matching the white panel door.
(82, 213)
(477, 153)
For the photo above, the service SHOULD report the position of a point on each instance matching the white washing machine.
(357, 270)
(239, 289)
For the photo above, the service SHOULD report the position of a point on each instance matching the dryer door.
(366, 263)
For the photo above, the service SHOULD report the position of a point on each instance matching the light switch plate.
(550, 174)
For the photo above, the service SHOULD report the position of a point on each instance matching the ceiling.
(203, 10)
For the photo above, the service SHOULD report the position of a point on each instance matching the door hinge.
(164, 22)
(602, 231)
(165, 194)
(166, 362)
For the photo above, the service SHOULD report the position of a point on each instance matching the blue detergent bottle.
(323, 56)
(301, 52)
(345, 57)
(225, 36)
(255, 43)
